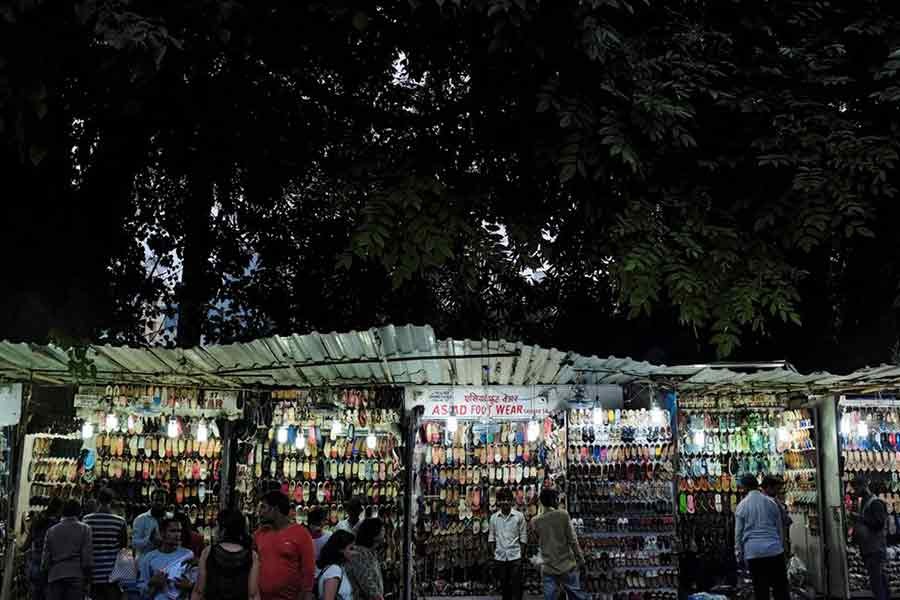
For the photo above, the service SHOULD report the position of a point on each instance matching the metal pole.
(15, 467)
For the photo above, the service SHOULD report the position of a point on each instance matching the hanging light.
(371, 441)
(846, 427)
(784, 436)
(337, 428)
(202, 431)
(172, 429)
(300, 440)
(283, 434)
(656, 416)
(534, 430)
(598, 415)
(699, 438)
(112, 422)
(130, 423)
(862, 429)
(87, 430)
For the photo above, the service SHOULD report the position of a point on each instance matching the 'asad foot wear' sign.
(508, 402)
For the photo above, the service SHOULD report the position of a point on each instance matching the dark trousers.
(65, 589)
(509, 574)
(769, 573)
(106, 591)
(877, 577)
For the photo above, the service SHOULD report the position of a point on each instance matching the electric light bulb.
(202, 431)
(598, 416)
(534, 430)
(784, 436)
(656, 417)
(699, 438)
(300, 440)
(371, 441)
(112, 422)
(130, 423)
(846, 427)
(452, 424)
(172, 429)
(337, 428)
(282, 434)
(87, 430)
(862, 429)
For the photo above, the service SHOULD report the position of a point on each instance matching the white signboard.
(10, 404)
(514, 403)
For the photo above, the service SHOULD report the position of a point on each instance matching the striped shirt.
(109, 533)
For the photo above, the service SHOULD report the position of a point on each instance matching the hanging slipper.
(179, 494)
(201, 492)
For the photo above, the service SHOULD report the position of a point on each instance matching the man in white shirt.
(758, 526)
(508, 535)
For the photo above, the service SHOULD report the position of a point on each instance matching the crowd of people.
(76, 551)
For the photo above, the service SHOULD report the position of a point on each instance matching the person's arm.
(875, 515)
(142, 534)
(87, 552)
(200, 588)
(253, 580)
(45, 556)
(492, 535)
(307, 560)
(523, 535)
(739, 537)
(330, 588)
(123, 536)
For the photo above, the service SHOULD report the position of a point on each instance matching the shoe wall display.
(621, 498)
(322, 448)
(458, 476)
(869, 437)
(722, 438)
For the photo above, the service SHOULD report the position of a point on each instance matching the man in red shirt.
(286, 553)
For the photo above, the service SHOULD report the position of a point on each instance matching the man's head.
(55, 506)
(354, 509)
(748, 482)
(505, 501)
(72, 508)
(106, 497)
(771, 485)
(549, 498)
(859, 487)
(316, 518)
(170, 532)
(158, 501)
(273, 508)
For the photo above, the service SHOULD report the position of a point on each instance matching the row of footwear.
(634, 524)
(156, 446)
(707, 502)
(312, 470)
(469, 434)
(871, 460)
(648, 544)
(731, 402)
(618, 580)
(437, 454)
(148, 469)
(631, 470)
(598, 453)
(498, 474)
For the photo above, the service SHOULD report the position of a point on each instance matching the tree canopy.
(672, 181)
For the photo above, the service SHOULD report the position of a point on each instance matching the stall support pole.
(228, 468)
(411, 426)
(15, 467)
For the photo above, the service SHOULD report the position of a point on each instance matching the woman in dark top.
(229, 568)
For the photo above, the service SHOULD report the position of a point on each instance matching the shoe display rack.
(869, 438)
(722, 438)
(621, 499)
(6, 489)
(459, 474)
(323, 447)
(54, 470)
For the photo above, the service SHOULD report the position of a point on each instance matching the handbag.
(125, 567)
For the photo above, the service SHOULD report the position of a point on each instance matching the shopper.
(190, 537)
(363, 566)
(772, 487)
(354, 511)
(109, 533)
(870, 534)
(164, 573)
(286, 552)
(561, 554)
(758, 541)
(229, 569)
(332, 582)
(315, 524)
(68, 556)
(508, 535)
(146, 526)
(37, 534)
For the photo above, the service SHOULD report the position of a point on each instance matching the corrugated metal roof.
(404, 355)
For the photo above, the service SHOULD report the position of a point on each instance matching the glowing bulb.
(172, 429)
(112, 422)
(699, 438)
(371, 441)
(282, 434)
(784, 436)
(598, 416)
(337, 428)
(534, 430)
(862, 429)
(846, 427)
(300, 440)
(656, 416)
(202, 432)
(452, 424)
(87, 430)
(130, 423)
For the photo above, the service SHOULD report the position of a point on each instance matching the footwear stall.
(723, 437)
(323, 446)
(471, 443)
(10, 415)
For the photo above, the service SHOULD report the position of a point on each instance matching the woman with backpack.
(364, 567)
(229, 569)
(332, 582)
